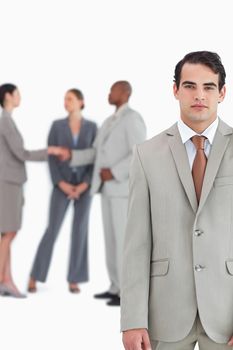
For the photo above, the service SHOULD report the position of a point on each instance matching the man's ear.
(222, 94)
(175, 90)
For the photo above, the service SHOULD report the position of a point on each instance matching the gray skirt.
(11, 203)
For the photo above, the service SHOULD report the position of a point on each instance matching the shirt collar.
(186, 132)
(121, 109)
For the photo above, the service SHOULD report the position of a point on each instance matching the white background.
(47, 47)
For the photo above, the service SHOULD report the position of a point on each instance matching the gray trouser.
(78, 264)
(114, 212)
(197, 335)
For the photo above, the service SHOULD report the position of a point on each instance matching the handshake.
(62, 153)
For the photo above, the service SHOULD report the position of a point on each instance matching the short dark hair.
(4, 89)
(207, 58)
(78, 94)
(125, 86)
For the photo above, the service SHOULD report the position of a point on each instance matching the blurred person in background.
(70, 185)
(111, 155)
(12, 177)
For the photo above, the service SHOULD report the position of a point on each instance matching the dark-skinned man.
(111, 154)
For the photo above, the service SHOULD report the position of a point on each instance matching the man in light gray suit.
(177, 281)
(111, 154)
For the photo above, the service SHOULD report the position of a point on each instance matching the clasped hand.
(73, 191)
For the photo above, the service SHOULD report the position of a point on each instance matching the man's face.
(115, 94)
(198, 94)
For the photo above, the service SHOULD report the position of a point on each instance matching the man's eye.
(209, 88)
(188, 86)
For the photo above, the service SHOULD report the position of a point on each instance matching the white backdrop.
(48, 47)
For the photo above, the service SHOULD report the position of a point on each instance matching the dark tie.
(199, 164)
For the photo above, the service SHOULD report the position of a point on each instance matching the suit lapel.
(182, 164)
(82, 134)
(219, 146)
(69, 137)
(67, 134)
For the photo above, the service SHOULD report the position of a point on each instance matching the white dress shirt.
(186, 133)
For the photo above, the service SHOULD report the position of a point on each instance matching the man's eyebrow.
(192, 83)
(210, 84)
(188, 82)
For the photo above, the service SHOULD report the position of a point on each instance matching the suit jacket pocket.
(229, 267)
(223, 181)
(159, 267)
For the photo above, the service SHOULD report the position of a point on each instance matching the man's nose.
(200, 95)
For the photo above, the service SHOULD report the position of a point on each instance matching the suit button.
(199, 268)
(198, 232)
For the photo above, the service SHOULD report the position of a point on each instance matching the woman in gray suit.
(12, 176)
(70, 184)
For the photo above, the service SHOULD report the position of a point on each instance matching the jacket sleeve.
(135, 133)
(83, 157)
(53, 160)
(136, 252)
(15, 143)
(88, 175)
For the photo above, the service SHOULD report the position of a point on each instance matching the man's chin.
(198, 118)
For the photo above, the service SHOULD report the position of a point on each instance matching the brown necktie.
(199, 164)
